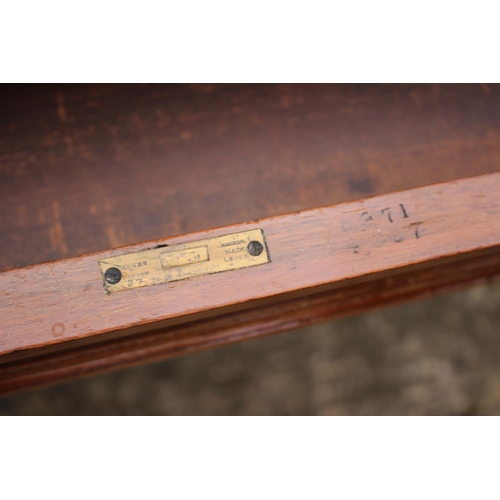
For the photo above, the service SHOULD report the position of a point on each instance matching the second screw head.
(255, 248)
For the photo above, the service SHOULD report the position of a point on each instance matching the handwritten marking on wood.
(389, 218)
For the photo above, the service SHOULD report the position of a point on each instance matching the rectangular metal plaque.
(179, 262)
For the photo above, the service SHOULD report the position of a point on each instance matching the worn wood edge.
(92, 359)
(478, 242)
(233, 311)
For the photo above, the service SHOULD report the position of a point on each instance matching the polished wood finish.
(78, 361)
(84, 168)
(63, 305)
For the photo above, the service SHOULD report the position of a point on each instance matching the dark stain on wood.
(88, 167)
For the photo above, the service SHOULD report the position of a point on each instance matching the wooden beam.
(60, 319)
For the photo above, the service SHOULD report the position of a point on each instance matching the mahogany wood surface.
(84, 168)
(63, 305)
(78, 361)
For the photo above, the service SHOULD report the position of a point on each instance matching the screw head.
(113, 275)
(255, 248)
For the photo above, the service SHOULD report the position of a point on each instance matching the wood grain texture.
(81, 360)
(89, 167)
(84, 168)
(44, 307)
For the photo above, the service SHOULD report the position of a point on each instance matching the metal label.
(179, 262)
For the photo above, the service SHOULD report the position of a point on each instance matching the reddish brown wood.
(78, 361)
(62, 305)
(84, 168)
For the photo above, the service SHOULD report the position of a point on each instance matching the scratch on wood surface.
(175, 214)
(56, 233)
(61, 110)
(114, 240)
(277, 285)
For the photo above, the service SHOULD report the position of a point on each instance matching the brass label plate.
(179, 262)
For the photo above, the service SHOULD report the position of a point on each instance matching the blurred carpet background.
(439, 356)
